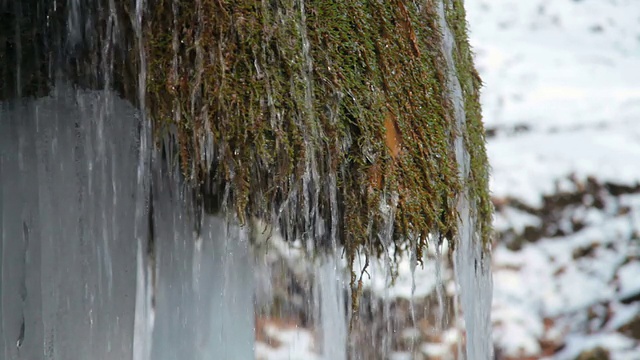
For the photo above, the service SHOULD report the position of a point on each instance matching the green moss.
(283, 89)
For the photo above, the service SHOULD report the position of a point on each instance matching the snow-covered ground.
(561, 103)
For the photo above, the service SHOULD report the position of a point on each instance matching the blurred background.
(561, 105)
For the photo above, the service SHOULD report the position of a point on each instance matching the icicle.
(145, 289)
(144, 314)
(413, 264)
(440, 323)
(471, 266)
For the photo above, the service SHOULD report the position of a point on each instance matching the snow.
(528, 166)
(545, 280)
(514, 219)
(401, 356)
(623, 315)
(624, 346)
(295, 344)
(562, 101)
(629, 281)
(435, 349)
(544, 68)
(403, 286)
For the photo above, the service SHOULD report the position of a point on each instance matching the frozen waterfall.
(98, 265)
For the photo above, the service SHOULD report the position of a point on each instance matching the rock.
(632, 329)
(594, 354)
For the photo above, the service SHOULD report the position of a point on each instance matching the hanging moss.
(289, 94)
